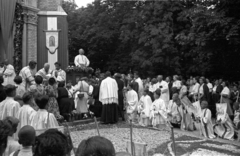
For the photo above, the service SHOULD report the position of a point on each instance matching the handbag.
(81, 94)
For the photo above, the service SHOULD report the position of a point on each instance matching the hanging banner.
(52, 41)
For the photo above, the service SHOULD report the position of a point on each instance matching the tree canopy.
(188, 37)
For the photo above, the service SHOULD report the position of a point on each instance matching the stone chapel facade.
(45, 33)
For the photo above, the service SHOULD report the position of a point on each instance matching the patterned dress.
(52, 105)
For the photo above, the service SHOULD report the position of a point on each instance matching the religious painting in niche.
(51, 41)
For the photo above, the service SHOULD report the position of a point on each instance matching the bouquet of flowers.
(79, 69)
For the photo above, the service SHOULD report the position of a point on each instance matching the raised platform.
(74, 73)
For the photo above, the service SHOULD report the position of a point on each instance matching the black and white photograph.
(119, 78)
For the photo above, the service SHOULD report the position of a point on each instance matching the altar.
(76, 73)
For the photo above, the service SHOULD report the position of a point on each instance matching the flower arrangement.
(71, 69)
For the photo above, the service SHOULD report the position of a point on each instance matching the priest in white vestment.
(140, 84)
(224, 126)
(45, 72)
(206, 121)
(58, 73)
(131, 102)
(26, 112)
(43, 119)
(8, 74)
(158, 111)
(27, 74)
(145, 103)
(81, 60)
(163, 86)
(81, 103)
(108, 95)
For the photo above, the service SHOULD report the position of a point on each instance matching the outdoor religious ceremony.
(119, 78)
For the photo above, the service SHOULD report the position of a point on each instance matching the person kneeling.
(206, 121)
(224, 127)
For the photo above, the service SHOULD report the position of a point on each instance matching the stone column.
(29, 34)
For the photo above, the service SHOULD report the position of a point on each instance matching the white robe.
(132, 100)
(152, 88)
(140, 87)
(9, 107)
(81, 104)
(45, 75)
(61, 75)
(25, 115)
(176, 84)
(158, 112)
(164, 90)
(27, 77)
(145, 104)
(9, 75)
(108, 91)
(81, 60)
(172, 109)
(43, 120)
(206, 124)
(225, 129)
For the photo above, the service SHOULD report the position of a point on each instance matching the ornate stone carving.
(30, 17)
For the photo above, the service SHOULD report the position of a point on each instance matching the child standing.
(26, 112)
(131, 101)
(144, 106)
(158, 111)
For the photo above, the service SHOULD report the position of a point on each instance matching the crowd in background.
(33, 101)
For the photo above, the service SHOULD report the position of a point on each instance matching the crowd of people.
(189, 104)
(32, 101)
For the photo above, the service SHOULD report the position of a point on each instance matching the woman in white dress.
(158, 111)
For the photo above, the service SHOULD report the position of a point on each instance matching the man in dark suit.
(120, 84)
(135, 84)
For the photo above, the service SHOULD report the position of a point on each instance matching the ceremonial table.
(74, 73)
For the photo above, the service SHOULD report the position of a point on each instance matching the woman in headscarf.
(66, 104)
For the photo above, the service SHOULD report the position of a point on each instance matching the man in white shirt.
(163, 85)
(45, 72)
(81, 60)
(27, 74)
(108, 95)
(58, 73)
